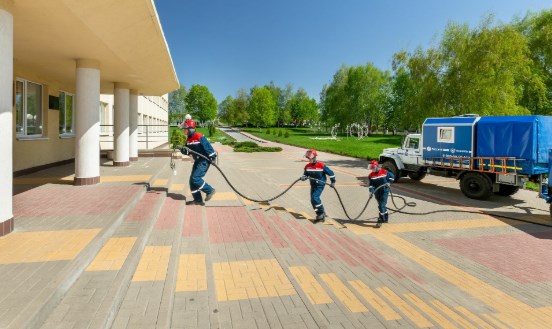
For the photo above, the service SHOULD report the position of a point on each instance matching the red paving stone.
(193, 223)
(231, 224)
(295, 240)
(308, 236)
(275, 238)
(169, 214)
(386, 263)
(143, 210)
(343, 256)
(524, 258)
(72, 200)
(356, 250)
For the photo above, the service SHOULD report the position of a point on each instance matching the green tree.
(537, 94)
(261, 107)
(201, 104)
(177, 104)
(485, 69)
(225, 110)
(302, 108)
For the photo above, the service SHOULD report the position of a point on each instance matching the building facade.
(57, 58)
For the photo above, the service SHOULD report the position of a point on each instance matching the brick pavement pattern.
(129, 252)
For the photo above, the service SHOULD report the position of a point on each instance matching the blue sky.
(226, 45)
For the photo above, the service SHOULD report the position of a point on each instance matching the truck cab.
(407, 159)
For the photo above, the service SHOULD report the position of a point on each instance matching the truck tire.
(390, 165)
(476, 186)
(507, 190)
(417, 175)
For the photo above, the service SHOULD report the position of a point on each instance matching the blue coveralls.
(318, 170)
(378, 178)
(199, 143)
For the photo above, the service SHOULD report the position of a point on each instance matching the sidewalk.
(129, 253)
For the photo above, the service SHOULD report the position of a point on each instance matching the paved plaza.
(129, 252)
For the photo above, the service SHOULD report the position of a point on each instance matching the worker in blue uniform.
(198, 143)
(317, 171)
(379, 180)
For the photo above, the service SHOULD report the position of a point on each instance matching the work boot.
(210, 195)
(320, 218)
(195, 203)
(386, 217)
(380, 221)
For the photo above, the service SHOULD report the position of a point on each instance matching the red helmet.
(373, 165)
(188, 124)
(311, 154)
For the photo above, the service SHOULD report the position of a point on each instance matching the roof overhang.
(124, 36)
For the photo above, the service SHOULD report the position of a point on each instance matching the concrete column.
(133, 117)
(6, 117)
(120, 131)
(87, 122)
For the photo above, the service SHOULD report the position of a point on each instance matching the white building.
(56, 58)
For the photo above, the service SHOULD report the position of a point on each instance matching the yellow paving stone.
(405, 308)
(250, 279)
(224, 196)
(192, 273)
(44, 246)
(433, 226)
(160, 183)
(424, 307)
(314, 291)
(374, 300)
(494, 297)
(246, 202)
(494, 321)
(153, 264)
(343, 293)
(469, 315)
(112, 255)
(43, 180)
(176, 188)
(451, 314)
(126, 178)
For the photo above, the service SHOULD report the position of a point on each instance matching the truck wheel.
(507, 190)
(392, 167)
(475, 186)
(417, 175)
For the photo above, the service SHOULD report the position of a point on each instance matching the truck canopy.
(449, 137)
(523, 137)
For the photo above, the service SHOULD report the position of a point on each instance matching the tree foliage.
(261, 107)
(201, 104)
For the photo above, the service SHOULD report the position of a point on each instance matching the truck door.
(411, 150)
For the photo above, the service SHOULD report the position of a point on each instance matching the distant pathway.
(238, 135)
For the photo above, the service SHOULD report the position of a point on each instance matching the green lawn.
(219, 136)
(366, 148)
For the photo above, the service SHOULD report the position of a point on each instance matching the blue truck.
(488, 155)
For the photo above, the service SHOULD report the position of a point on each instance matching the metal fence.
(149, 136)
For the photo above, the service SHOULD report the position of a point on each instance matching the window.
(66, 114)
(445, 134)
(413, 143)
(28, 108)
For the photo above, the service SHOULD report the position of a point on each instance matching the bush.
(286, 134)
(268, 131)
(245, 144)
(212, 129)
(177, 138)
(279, 132)
(250, 147)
